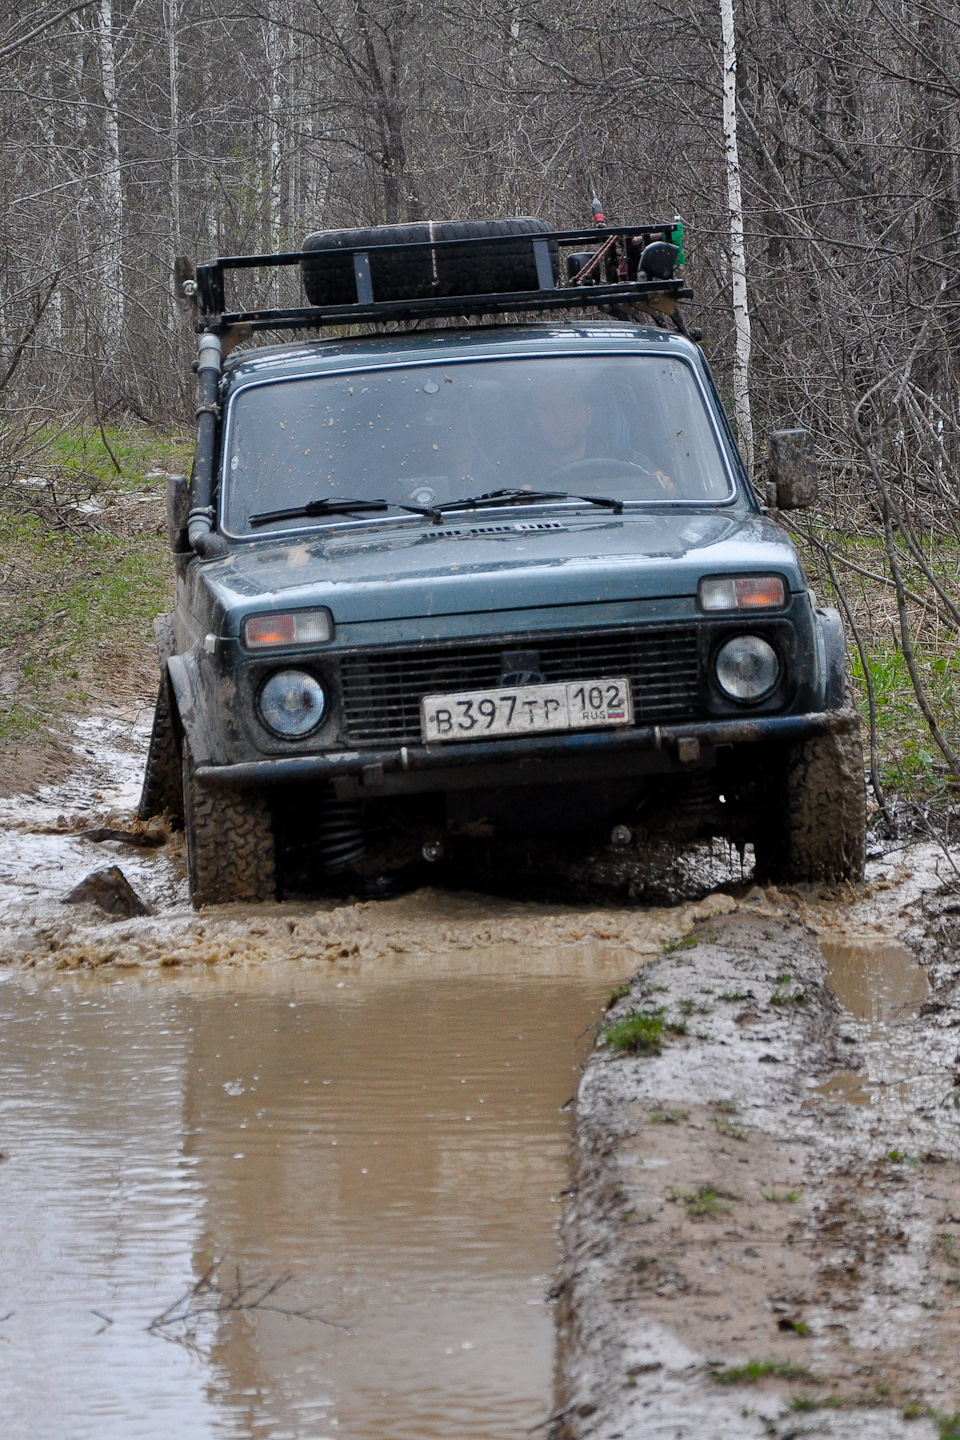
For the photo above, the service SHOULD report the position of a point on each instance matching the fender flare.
(832, 644)
(181, 671)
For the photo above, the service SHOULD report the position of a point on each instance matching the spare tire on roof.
(418, 274)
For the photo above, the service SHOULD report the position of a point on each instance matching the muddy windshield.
(634, 428)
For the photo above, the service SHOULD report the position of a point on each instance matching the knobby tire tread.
(820, 832)
(162, 790)
(231, 850)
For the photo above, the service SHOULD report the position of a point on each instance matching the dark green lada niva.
(467, 590)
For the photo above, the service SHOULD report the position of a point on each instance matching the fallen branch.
(209, 1297)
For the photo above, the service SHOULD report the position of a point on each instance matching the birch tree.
(111, 180)
(738, 254)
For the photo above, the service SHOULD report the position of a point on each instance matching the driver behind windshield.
(576, 440)
(558, 419)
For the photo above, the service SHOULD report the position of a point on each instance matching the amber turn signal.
(295, 627)
(741, 592)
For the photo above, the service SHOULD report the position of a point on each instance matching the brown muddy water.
(881, 984)
(396, 1148)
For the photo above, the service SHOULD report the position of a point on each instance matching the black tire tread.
(416, 275)
(231, 850)
(821, 834)
(162, 790)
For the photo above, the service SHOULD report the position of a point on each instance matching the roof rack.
(606, 278)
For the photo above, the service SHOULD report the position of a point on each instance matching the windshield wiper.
(333, 505)
(527, 497)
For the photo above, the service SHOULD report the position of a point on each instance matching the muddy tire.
(162, 780)
(817, 826)
(231, 850)
(328, 274)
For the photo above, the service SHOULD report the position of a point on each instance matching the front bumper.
(682, 742)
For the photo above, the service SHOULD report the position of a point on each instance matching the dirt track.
(776, 1186)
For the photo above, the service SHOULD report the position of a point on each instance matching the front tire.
(231, 849)
(816, 830)
(162, 790)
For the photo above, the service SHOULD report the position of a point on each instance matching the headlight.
(747, 668)
(292, 703)
(292, 627)
(741, 592)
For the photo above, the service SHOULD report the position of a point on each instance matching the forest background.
(135, 130)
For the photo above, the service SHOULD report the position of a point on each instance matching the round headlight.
(292, 703)
(747, 668)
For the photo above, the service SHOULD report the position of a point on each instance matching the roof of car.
(303, 358)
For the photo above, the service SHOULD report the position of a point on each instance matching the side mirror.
(178, 511)
(792, 469)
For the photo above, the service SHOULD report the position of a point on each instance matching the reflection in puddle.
(396, 1148)
(848, 1085)
(882, 984)
(875, 981)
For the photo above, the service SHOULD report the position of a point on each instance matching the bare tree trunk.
(738, 257)
(209, 205)
(49, 132)
(274, 57)
(112, 312)
(173, 65)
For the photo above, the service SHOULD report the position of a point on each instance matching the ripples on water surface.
(396, 1147)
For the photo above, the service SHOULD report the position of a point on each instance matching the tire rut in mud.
(727, 1211)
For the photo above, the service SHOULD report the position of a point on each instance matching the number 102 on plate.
(526, 710)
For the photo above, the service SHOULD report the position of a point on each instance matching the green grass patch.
(81, 587)
(782, 1197)
(85, 454)
(784, 994)
(704, 1201)
(685, 942)
(756, 1370)
(908, 758)
(726, 1127)
(660, 1116)
(693, 1007)
(638, 1033)
(621, 992)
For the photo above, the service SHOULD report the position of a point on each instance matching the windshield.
(633, 428)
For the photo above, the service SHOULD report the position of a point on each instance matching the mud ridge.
(729, 1210)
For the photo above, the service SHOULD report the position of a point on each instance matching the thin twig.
(868, 678)
(551, 1419)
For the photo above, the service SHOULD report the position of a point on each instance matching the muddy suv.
(451, 595)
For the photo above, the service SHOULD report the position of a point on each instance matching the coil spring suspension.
(341, 839)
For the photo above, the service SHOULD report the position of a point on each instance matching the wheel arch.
(182, 674)
(832, 657)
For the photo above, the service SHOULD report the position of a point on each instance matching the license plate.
(526, 710)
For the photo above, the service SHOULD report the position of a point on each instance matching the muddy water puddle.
(880, 984)
(392, 1151)
(875, 980)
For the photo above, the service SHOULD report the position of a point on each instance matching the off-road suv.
(449, 592)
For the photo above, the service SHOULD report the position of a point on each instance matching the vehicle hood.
(466, 566)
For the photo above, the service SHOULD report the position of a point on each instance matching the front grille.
(382, 692)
